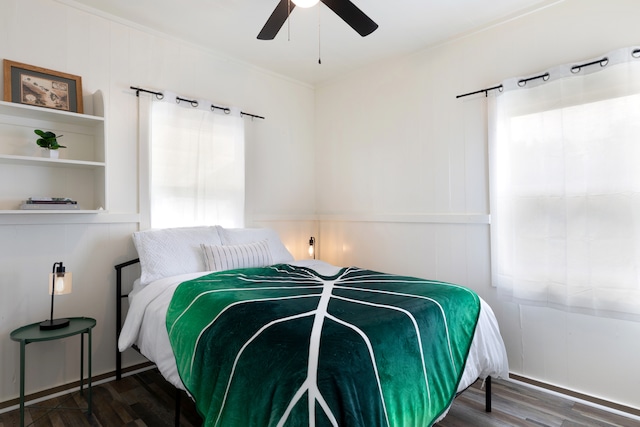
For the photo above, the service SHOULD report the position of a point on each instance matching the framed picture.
(26, 84)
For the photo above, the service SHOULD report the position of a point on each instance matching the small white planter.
(52, 154)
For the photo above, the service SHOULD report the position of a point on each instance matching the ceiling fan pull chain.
(319, 39)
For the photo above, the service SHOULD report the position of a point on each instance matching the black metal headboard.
(119, 297)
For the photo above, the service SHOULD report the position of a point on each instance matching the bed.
(257, 338)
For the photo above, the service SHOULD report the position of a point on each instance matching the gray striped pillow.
(220, 257)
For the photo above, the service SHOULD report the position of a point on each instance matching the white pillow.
(171, 251)
(218, 258)
(237, 236)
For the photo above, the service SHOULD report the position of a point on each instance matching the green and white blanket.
(284, 346)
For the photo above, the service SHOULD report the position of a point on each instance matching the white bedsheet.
(145, 327)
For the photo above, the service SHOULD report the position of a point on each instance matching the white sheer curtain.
(565, 188)
(195, 162)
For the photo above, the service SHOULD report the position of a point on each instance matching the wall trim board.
(564, 392)
(442, 218)
(281, 217)
(435, 218)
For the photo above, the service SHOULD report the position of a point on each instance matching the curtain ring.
(577, 68)
(194, 103)
(522, 83)
(636, 53)
(160, 96)
(545, 77)
(226, 110)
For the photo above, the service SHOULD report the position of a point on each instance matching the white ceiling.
(230, 27)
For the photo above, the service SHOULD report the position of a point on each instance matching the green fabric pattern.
(284, 346)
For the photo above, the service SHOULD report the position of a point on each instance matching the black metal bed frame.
(178, 394)
(119, 297)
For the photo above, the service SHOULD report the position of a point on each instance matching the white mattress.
(145, 327)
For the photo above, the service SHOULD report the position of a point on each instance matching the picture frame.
(40, 87)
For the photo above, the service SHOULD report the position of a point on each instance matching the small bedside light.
(59, 284)
(312, 247)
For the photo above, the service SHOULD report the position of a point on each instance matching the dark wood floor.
(515, 404)
(146, 399)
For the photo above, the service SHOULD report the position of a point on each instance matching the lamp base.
(54, 324)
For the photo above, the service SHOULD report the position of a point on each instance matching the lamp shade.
(305, 3)
(60, 283)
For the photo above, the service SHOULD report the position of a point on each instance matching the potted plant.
(49, 141)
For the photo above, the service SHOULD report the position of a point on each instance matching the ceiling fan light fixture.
(345, 9)
(305, 3)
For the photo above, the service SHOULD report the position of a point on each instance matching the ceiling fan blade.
(276, 20)
(353, 16)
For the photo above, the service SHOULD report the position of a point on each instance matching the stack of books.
(49, 203)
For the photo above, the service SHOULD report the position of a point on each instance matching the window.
(195, 165)
(565, 189)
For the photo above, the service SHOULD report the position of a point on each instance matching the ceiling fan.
(346, 10)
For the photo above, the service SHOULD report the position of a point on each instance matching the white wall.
(112, 56)
(402, 180)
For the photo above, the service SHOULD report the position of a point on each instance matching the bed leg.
(487, 396)
(118, 321)
(176, 421)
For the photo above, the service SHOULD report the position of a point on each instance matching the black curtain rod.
(253, 116)
(193, 102)
(575, 69)
(499, 87)
(158, 95)
(603, 63)
(523, 82)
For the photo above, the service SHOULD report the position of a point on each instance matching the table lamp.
(59, 284)
(312, 247)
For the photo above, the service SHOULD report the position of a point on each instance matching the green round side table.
(32, 333)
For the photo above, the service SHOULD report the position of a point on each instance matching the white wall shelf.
(47, 211)
(48, 114)
(43, 161)
(79, 173)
